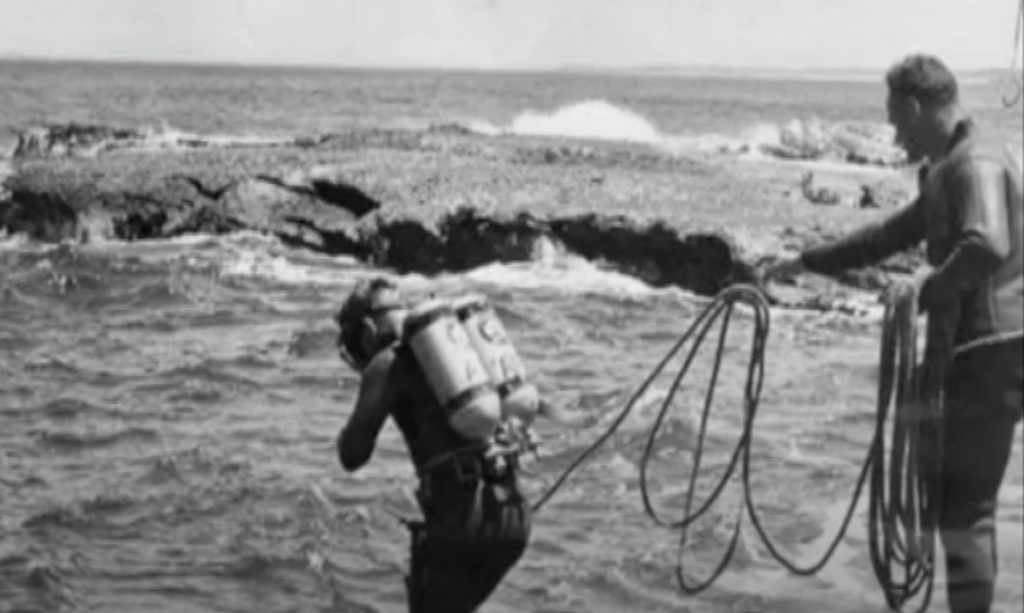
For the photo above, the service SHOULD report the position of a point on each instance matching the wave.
(75, 441)
(551, 268)
(258, 257)
(220, 273)
(808, 139)
(588, 119)
(594, 119)
(224, 269)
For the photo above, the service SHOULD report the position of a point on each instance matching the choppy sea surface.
(168, 409)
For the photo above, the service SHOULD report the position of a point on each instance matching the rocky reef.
(317, 211)
(429, 201)
(849, 142)
(88, 140)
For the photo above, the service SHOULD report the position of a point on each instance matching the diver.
(970, 213)
(465, 427)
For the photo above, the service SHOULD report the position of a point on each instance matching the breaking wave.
(594, 119)
(798, 139)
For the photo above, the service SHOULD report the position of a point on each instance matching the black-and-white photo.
(511, 306)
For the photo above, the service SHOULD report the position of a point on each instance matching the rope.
(1017, 50)
(903, 509)
(905, 500)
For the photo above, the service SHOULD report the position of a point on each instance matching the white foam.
(168, 136)
(551, 269)
(593, 119)
(486, 128)
(277, 264)
(809, 142)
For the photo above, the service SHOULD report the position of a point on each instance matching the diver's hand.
(784, 269)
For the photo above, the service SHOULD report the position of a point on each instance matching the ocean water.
(168, 409)
(286, 102)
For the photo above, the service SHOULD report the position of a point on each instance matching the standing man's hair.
(924, 78)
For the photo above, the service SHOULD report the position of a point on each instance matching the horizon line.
(653, 69)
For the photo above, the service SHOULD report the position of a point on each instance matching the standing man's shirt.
(970, 210)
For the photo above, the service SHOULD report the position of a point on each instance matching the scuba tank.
(490, 340)
(453, 370)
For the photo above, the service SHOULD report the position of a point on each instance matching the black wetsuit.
(969, 213)
(476, 523)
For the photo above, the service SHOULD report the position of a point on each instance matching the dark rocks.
(40, 216)
(881, 193)
(86, 141)
(329, 185)
(451, 127)
(818, 195)
(72, 140)
(405, 245)
(464, 239)
(313, 208)
(379, 138)
(474, 240)
(702, 263)
(603, 157)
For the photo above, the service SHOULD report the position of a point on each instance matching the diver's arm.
(359, 436)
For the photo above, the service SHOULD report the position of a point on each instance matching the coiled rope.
(904, 495)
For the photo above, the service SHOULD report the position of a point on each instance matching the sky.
(489, 34)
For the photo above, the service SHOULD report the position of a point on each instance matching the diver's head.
(369, 320)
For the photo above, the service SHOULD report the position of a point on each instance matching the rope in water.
(903, 510)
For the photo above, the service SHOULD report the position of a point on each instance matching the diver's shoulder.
(396, 359)
(382, 363)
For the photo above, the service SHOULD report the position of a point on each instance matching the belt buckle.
(499, 466)
(467, 469)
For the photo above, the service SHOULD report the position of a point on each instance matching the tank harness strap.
(472, 463)
(507, 387)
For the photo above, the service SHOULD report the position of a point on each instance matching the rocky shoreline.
(433, 201)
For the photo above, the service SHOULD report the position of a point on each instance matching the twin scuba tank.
(470, 364)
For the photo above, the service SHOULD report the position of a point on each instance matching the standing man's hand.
(786, 268)
(924, 286)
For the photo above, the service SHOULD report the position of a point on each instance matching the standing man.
(970, 213)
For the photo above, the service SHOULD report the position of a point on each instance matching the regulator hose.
(904, 474)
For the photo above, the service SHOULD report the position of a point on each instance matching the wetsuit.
(476, 523)
(969, 212)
